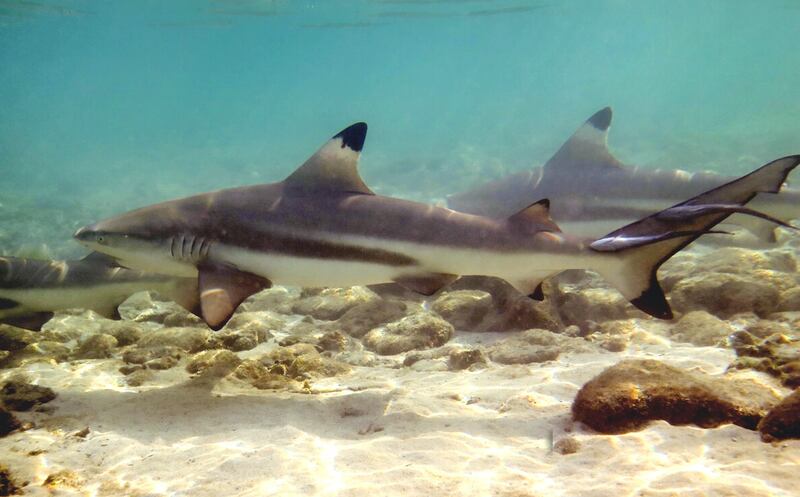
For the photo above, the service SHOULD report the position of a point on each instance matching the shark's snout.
(91, 235)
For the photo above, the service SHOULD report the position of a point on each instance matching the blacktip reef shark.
(596, 192)
(32, 289)
(322, 226)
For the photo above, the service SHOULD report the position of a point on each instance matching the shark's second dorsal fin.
(586, 148)
(535, 217)
(334, 167)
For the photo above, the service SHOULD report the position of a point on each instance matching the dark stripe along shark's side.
(31, 289)
(322, 226)
(596, 192)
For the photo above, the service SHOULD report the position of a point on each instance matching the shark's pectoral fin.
(426, 284)
(222, 289)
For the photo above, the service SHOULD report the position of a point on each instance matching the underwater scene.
(399, 247)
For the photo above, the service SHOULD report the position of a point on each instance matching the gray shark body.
(596, 192)
(322, 226)
(31, 289)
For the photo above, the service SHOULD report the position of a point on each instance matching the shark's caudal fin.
(646, 244)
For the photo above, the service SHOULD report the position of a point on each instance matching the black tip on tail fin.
(643, 246)
(353, 136)
(601, 119)
(653, 301)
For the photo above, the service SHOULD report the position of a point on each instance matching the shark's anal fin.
(334, 167)
(426, 284)
(222, 289)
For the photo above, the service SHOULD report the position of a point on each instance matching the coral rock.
(724, 295)
(360, 319)
(13, 338)
(464, 309)
(97, 347)
(330, 304)
(701, 328)
(188, 339)
(213, 362)
(418, 331)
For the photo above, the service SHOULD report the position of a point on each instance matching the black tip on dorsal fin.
(353, 136)
(601, 119)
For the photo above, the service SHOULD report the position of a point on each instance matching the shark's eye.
(101, 239)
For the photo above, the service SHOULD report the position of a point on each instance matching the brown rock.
(626, 396)
(783, 420)
(8, 423)
(460, 359)
(19, 395)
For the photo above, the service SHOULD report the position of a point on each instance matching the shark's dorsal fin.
(334, 167)
(586, 148)
(535, 217)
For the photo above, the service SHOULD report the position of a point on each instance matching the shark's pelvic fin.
(334, 167)
(586, 148)
(426, 284)
(222, 289)
(646, 244)
(534, 218)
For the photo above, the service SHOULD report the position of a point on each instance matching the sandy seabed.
(381, 431)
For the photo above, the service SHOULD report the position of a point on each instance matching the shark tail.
(637, 250)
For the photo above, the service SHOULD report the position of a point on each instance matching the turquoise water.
(110, 105)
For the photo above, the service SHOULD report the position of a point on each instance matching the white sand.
(381, 431)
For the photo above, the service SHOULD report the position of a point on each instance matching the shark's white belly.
(101, 298)
(286, 269)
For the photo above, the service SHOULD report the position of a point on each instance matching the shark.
(322, 226)
(597, 192)
(31, 290)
